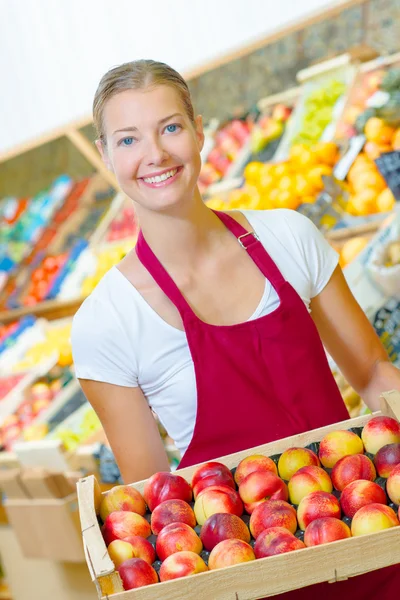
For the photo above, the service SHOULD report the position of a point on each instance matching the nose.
(156, 154)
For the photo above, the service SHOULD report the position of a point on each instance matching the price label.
(389, 166)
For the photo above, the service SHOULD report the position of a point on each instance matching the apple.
(350, 468)
(171, 511)
(230, 552)
(337, 444)
(255, 462)
(176, 537)
(306, 480)
(223, 526)
(293, 459)
(211, 473)
(373, 517)
(393, 485)
(122, 524)
(122, 497)
(360, 493)
(386, 459)
(380, 431)
(166, 486)
(317, 505)
(217, 499)
(260, 486)
(273, 513)
(182, 564)
(325, 530)
(136, 573)
(276, 540)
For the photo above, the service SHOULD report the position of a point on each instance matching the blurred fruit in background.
(108, 256)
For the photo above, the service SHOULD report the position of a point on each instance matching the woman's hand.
(352, 342)
(130, 429)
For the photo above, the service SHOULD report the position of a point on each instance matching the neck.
(183, 235)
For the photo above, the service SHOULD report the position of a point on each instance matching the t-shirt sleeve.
(100, 346)
(319, 257)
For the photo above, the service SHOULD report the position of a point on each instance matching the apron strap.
(250, 241)
(162, 277)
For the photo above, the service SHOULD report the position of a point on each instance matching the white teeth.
(160, 178)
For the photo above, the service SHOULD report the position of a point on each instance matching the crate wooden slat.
(263, 577)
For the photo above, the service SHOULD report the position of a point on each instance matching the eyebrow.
(160, 122)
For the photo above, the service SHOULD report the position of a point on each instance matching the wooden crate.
(256, 579)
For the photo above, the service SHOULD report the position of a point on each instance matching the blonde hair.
(137, 75)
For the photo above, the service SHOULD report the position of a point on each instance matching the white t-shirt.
(118, 338)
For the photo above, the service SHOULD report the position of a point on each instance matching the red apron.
(260, 381)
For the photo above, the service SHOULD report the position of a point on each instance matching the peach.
(306, 480)
(260, 486)
(171, 511)
(230, 552)
(276, 540)
(393, 485)
(121, 524)
(122, 497)
(223, 526)
(360, 493)
(255, 462)
(166, 486)
(317, 505)
(210, 474)
(182, 564)
(122, 550)
(141, 548)
(273, 513)
(176, 537)
(136, 573)
(293, 459)
(386, 459)
(350, 468)
(373, 517)
(336, 445)
(325, 530)
(217, 499)
(379, 432)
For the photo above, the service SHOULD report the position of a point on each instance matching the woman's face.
(152, 146)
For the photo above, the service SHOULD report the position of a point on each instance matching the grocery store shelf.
(50, 309)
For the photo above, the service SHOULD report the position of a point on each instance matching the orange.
(374, 150)
(297, 151)
(377, 131)
(308, 199)
(369, 179)
(287, 200)
(303, 186)
(238, 198)
(385, 201)
(287, 183)
(252, 171)
(282, 169)
(326, 152)
(363, 203)
(396, 140)
(266, 181)
(314, 176)
(273, 196)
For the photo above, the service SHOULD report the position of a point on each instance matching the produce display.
(77, 428)
(346, 485)
(269, 127)
(104, 257)
(8, 383)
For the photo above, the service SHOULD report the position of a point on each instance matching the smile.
(163, 179)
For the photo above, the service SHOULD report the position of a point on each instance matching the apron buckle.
(253, 233)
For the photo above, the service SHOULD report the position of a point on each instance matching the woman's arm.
(130, 429)
(352, 342)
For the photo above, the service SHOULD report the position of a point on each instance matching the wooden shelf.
(51, 309)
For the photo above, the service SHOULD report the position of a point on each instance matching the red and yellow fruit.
(274, 513)
(136, 573)
(171, 511)
(177, 537)
(230, 552)
(182, 564)
(276, 540)
(316, 506)
(223, 526)
(393, 485)
(166, 486)
(260, 486)
(336, 445)
(360, 493)
(122, 524)
(306, 480)
(386, 459)
(132, 547)
(255, 462)
(379, 432)
(293, 459)
(211, 474)
(325, 530)
(122, 497)
(372, 518)
(351, 468)
(217, 499)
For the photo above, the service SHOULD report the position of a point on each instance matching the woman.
(216, 320)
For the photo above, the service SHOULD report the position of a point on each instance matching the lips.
(161, 178)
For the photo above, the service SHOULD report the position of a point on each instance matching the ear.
(199, 131)
(102, 148)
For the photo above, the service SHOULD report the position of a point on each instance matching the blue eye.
(128, 141)
(172, 128)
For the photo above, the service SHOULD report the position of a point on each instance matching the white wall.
(53, 52)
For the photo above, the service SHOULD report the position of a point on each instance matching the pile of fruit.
(229, 141)
(57, 343)
(73, 435)
(106, 257)
(123, 226)
(346, 485)
(286, 184)
(8, 383)
(269, 128)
